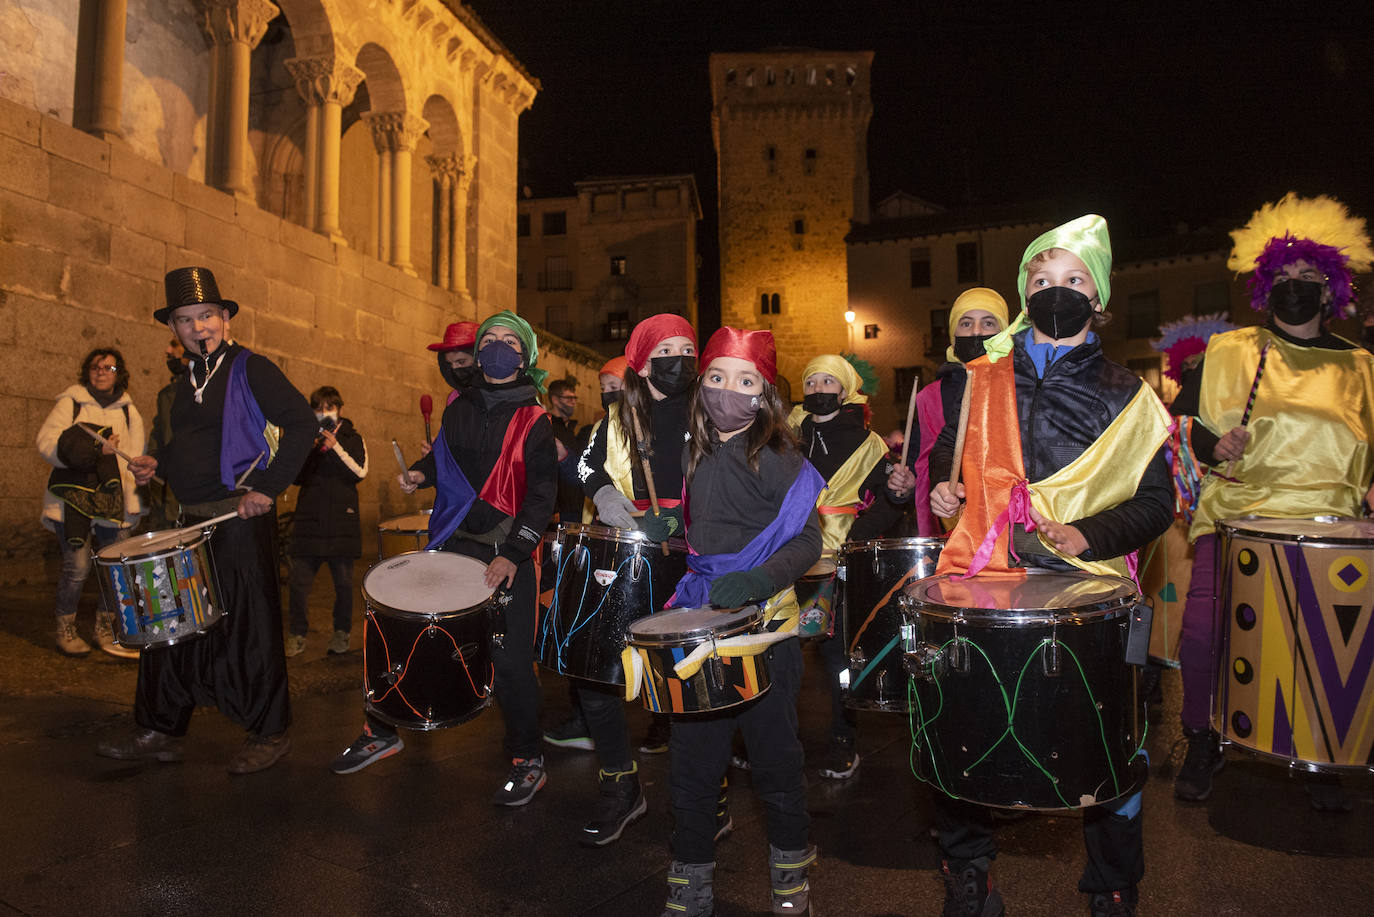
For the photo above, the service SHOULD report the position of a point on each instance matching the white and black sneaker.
(841, 760)
(620, 804)
(526, 778)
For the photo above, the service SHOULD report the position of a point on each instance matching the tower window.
(811, 76)
(799, 226)
(770, 304)
(749, 77)
(809, 162)
(617, 265)
(789, 76)
(770, 153)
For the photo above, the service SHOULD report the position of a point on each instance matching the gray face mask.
(729, 411)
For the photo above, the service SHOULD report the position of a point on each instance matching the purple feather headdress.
(1188, 336)
(1288, 249)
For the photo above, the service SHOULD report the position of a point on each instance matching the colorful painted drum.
(410, 530)
(872, 575)
(1021, 694)
(665, 639)
(160, 586)
(1293, 681)
(605, 579)
(816, 599)
(427, 640)
(1166, 569)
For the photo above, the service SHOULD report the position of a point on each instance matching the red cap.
(649, 333)
(458, 336)
(615, 366)
(755, 346)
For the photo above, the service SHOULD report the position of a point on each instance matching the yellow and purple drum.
(1294, 676)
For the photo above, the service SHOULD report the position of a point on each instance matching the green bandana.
(1085, 237)
(522, 329)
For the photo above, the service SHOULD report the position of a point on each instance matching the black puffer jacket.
(1062, 415)
(326, 520)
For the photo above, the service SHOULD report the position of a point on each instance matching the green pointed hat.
(522, 329)
(1085, 237)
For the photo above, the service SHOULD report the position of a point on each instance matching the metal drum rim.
(407, 615)
(679, 638)
(1232, 526)
(429, 726)
(1017, 617)
(853, 547)
(202, 538)
(618, 536)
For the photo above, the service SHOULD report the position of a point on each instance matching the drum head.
(427, 582)
(1328, 529)
(152, 543)
(409, 524)
(1038, 591)
(694, 623)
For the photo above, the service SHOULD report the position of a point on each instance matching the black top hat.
(192, 286)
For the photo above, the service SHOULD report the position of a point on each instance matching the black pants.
(842, 720)
(238, 665)
(303, 570)
(700, 752)
(1113, 839)
(512, 656)
(603, 709)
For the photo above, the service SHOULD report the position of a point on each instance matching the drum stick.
(248, 471)
(115, 449)
(215, 521)
(643, 451)
(1250, 402)
(910, 415)
(963, 431)
(400, 459)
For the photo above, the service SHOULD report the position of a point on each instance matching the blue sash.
(242, 437)
(453, 495)
(694, 589)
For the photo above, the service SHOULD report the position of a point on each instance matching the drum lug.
(1050, 657)
(960, 658)
(581, 556)
(715, 673)
(927, 662)
(857, 659)
(636, 566)
(393, 674)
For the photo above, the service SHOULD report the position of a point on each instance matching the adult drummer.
(1308, 449)
(1059, 395)
(218, 420)
(660, 366)
(495, 478)
(457, 363)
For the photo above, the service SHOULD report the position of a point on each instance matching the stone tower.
(790, 128)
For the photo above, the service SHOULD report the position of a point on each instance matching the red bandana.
(649, 333)
(754, 346)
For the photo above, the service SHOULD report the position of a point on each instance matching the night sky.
(1149, 117)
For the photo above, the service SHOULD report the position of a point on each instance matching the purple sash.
(242, 437)
(453, 495)
(694, 589)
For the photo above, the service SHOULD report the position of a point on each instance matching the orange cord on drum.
(406, 668)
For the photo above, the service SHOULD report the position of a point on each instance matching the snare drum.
(1021, 694)
(413, 527)
(1297, 645)
(427, 640)
(816, 599)
(161, 587)
(872, 575)
(604, 579)
(663, 640)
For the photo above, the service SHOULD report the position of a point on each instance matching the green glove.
(742, 587)
(667, 524)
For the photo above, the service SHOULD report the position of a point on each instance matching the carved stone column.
(458, 242)
(99, 67)
(233, 29)
(327, 85)
(445, 172)
(398, 131)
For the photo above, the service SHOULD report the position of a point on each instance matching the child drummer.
(1048, 373)
(753, 530)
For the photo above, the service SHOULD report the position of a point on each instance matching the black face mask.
(1059, 312)
(610, 398)
(466, 376)
(672, 375)
(1295, 302)
(820, 404)
(968, 348)
(176, 365)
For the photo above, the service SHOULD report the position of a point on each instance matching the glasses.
(111, 370)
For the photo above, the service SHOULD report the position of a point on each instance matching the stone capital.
(445, 169)
(324, 79)
(394, 130)
(228, 21)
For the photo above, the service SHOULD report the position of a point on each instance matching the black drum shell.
(431, 679)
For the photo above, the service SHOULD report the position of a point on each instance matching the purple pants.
(1198, 645)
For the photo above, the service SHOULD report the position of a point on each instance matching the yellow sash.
(1105, 474)
(842, 491)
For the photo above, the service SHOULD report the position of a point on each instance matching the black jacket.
(1062, 415)
(474, 428)
(326, 521)
(667, 433)
(829, 445)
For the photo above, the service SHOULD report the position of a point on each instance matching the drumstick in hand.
(115, 449)
(643, 450)
(243, 477)
(959, 439)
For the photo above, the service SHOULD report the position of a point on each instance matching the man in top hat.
(224, 455)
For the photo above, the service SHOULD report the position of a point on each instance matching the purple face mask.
(729, 411)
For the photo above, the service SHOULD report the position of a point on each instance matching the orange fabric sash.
(991, 467)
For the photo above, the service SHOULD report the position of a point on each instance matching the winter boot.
(690, 891)
(789, 869)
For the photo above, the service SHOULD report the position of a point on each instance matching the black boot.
(969, 891)
(1204, 758)
(790, 871)
(620, 804)
(690, 890)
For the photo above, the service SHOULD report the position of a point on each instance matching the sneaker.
(526, 778)
(620, 805)
(69, 642)
(691, 891)
(258, 753)
(1114, 904)
(571, 734)
(656, 739)
(368, 748)
(841, 761)
(969, 891)
(104, 638)
(338, 644)
(143, 745)
(789, 870)
(295, 645)
(1204, 758)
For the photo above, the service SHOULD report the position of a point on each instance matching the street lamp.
(849, 327)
